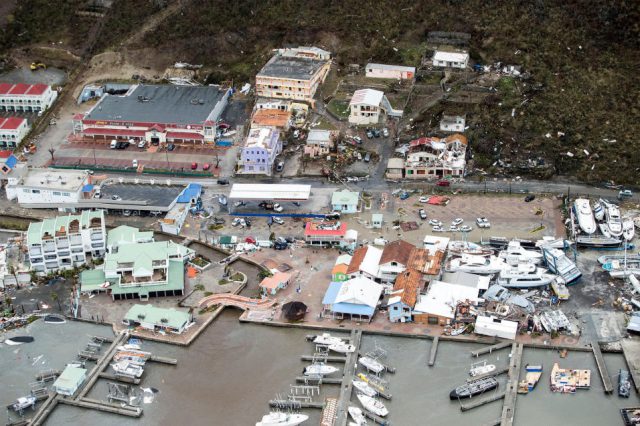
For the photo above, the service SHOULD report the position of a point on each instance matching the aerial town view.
(333, 213)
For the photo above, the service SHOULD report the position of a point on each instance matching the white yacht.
(327, 339)
(481, 368)
(460, 248)
(614, 222)
(558, 262)
(553, 242)
(342, 348)
(373, 405)
(127, 368)
(371, 364)
(598, 210)
(524, 275)
(583, 213)
(628, 229)
(357, 415)
(475, 264)
(276, 418)
(604, 230)
(515, 254)
(319, 370)
(364, 388)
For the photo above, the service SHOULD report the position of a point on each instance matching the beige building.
(319, 143)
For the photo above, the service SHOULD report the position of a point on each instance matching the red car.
(194, 166)
(250, 240)
(443, 183)
(206, 166)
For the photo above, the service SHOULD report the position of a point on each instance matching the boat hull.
(472, 389)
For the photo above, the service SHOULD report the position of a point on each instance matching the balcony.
(76, 241)
(49, 248)
(64, 253)
(35, 260)
(98, 245)
(35, 251)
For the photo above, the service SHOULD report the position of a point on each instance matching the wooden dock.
(294, 405)
(492, 374)
(509, 406)
(46, 376)
(101, 365)
(434, 351)
(377, 419)
(602, 367)
(631, 352)
(163, 360)
(102, 339)
(490, 349)
(342, 415)
(327, 358)
(329, 412)
(120, 378)
(320, 381)
(479, 402)
(45, 409)
(102, 406)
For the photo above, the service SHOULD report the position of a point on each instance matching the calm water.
(227, 376)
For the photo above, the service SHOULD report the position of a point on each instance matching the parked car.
(219, 221)
(97, 194)
(529, 198)
(424, 199)
(453, 228)
(277, 208)
(239, 204)
(466, 228)
(280, 166)
(358, 140)
(437, 229)
(332, 216)
(126, 212)
(457, 221)
(142, 144)
(194, 166)
(114, 144)
(116, 197)
(404, 195)
(247, 222)
(171, 147)
(134, 163)
(422, 214)
(206, 166)
(280, 246)
(223, 181)
(367, 157)
(443, 183)
(238, 221)
(250, 240)
(376, 133)
(385, 132)
(483, 222)
(625, 193)
(369, 134)
(435, 222)
(277, 220)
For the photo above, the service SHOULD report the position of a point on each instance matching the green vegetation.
(18, 225)
(339, 108)
(198, 287)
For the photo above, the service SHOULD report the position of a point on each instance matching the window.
(56, 193)
(35, 191)
(27, 191)
(66, 194)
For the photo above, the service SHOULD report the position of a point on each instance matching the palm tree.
(55, 298)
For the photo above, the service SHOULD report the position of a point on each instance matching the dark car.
(376, 133)
(223, 181)
(218, 220)
(443, 183)
(529, 198)
(280, 246)
(369, 134)
(332, 216)
(422, 214)
(171, 147)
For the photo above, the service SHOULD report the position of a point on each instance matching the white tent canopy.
(271, 192)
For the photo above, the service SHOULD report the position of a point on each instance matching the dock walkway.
(631, 352)
(475, 403)
(342, 415)
(489, 349)
(602, 367)
(434, 351)
(509, 406)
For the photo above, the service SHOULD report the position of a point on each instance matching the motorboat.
(558, 263)
(23, 403)
(319, 370)
(327, 339)
(276, 418)
(357, 415)
(606, 258)
(127, 368)
(364, 388)
(524, 275)
(628, 229)
(604, 230)
(372, 405)
(560, 289)
(342, 348)
(371, 364)
(460, 248)
(515, 253)
(597, 242)
(582, 210)
(475, 264)
(622, 268)
(614, 221)
(372, 382)
(552, 242)
(624, 383)
(18, 340)
(531, 378)
(482, 368)
(473, 388)
(598, 210)
(54, 319)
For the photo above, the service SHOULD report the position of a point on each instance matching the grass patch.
(339, 108)
(324, 124)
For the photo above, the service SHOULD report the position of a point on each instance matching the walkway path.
(241, 302)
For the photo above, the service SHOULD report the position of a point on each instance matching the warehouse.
(158, 114)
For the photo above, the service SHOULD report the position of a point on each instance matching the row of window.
(18, 101)
(55, 193)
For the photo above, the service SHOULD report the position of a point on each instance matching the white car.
(134, 163)
(424, 199)
(277, 208)
(385, 132)
(142, 144)
(435, 222)
(277, 220)
(238, 221)
(453, 228)
(457, 221)
(437, 228)
(483, 222)
(466, 228)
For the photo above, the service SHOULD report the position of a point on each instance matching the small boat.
(598, 210)
(582, 210)
(371, 382)
(482, 368)
(18, 340)
(514, 254)
(327, 339)
(364, 388)
(342, 348)
(614, 222)
(371, 364)
(22, 403)
(372, 405)
(473, 388)
(276, 418)
(604, 229)
(628, 230)
(606, 258)
(531, 378)
(319, 370)
(357, 415)
(126, 368)
(560, 289)
(624, 383)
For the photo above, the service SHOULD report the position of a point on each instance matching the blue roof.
(190, 192)
(87, 188)
(11, 161)
(344, 308)
(331, 293)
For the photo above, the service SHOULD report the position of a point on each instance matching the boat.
(624, 383)
(18, 340)
(357, 415)
(558, 263)
(126, 368)
(364, 388)
(502, 242)
(473, 388)
(276, 418)
(22, 403)
(372, 405)
(54, 319)
(531, 378)
(598, 242)
(628, 230)
(582, 210)
(552, 242)
(606, 258)
(327, 339)
(371, 382)
(482, 368)
(560, 289)
(459, 248)
(319, 370)
(622, 269)
(371, 364)
(515, 253)
(342, 348)
(567, 380)
(604, 230)
(614, 222)
(475, 264)
(524, 276)
(598, 210)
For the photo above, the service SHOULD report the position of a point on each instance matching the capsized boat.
(372, 405)
(342, 348)
(276, 418)
(479, 369)
(531, 378)
(624, 383)
(473, 388)
(357, 415)
(582, 210)
(319, 370)
(127, 368)
(22, 403)
(364, 388)
(327, 339)
(371, 364)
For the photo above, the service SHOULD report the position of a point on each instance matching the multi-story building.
(12, 130)
(26, 97)
(319, 143)
(368, 106)
(431, 158)
(452, 123)
(293, 74)
(46, 188)
(260, 151)
(66, 242)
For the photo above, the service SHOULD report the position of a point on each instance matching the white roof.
(351, 234)
(395, 163)
(391, 67)
(441, 298)
(316, 135)
(54, 179)
(343, 259)
(371, 262)
(253, 191)
(492, 326)
(434, 243)
(360, 291)
(366, 97)
(450, 56)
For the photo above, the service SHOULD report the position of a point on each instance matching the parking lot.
(138, 194)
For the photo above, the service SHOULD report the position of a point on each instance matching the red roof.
(22, 89)
(19, 89)
(4, 88)
(5, 154)
(184, 135)
(113, 132)
(311, 229)
(37, 89)
(11, 123)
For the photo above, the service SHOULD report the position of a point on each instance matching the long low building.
(26, 97)
(154, 319)
(270, 192)
(12, 131)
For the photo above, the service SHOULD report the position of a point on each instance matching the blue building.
(404, 296)
(356, 299)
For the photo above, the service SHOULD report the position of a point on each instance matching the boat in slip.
(23, 403)
(614, 221)
(531, 378)
(371, 364)
(558, 263)
(567, 381)
(481, 368)
(327, 339)
(364, 387)
(127, 368)
(582, 210)
(628, 229)
(319, 370)
(357, 415)
(342, 348)
(276, 418)
(598, 210)
(475, 264)
(473, 388)
(515, 253)
(624, 383)
(372, 405)
(524, 276)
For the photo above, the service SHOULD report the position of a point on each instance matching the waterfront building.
(70, 380)
(157, 319)
(356, 299)
(438, 305)
(404, 296)
(278, 281)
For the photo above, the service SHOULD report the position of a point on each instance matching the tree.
(51, 151)
(55, 298)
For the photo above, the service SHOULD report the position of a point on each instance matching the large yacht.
(475, 264)
(614, 221)
(515, 254)
(524, 276)
(582, 210)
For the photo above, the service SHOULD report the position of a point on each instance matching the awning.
(87, 188)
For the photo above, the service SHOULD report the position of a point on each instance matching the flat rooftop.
(159, 104)
(295, 68)
(151, 195)
(67, 180)
(246, 191)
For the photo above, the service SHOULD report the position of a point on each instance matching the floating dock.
(46, 376)
(434, 351)
(324, 358)
(163, 360)
(509, 406)
(379, 420)
(294, 405)
(318, 381)
(342, 415)
(631, 352)
(490, 349)
(602, 367)
(475, 403)
(102, 406)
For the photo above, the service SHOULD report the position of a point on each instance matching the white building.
(64, 242)
(365, 263)
(438, 305)
(398, 72)
(12, 131)
(450, 59)
(492, 326)
(46, 188)
(26, 97)
(368, 106)
(452, 123)
(319, 143)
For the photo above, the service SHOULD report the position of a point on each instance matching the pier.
(490, 349)
(631, 352)
(342, 415)
(102, 406)
(294, 405)
(324, 358)
(480, 402)
(509, 406)
(163, 360)
(318, 380)
(434, 351)
(602, 367)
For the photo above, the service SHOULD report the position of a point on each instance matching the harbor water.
(228, 375)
